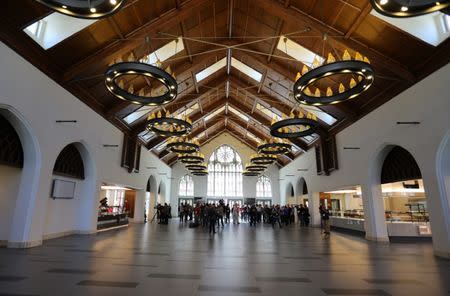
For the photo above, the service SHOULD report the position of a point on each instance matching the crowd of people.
(209, 214)
(213, 216)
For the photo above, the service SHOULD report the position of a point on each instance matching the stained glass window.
(263, 187)
(225, 173)
(186, 186)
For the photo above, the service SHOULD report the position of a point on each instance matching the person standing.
(321, 209)
(235, 213)
(326, 222)
(212, 215)
(227, 213)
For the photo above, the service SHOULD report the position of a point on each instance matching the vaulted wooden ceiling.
(245, 30)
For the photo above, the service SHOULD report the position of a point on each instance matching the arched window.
(186, 186)
(263, 187)
(225, 173)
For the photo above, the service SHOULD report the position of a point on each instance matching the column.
(374, 217)
(139, 206)
(314, 202)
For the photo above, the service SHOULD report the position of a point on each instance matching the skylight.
(269, 112)
(250, 72)
(188, 110)
(54, 28)
(218, 111)
(431, 28)
(132, 117)
(297, 51)
(147, 135)
(165, 52)
(238, 113)
(211, 69)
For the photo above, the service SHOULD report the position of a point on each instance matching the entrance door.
(233, 201)
(189, 201)
(264, 202)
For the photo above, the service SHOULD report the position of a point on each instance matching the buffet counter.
(111, 221)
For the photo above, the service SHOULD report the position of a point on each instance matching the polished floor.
(176, 260)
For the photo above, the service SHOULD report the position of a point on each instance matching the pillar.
(139, 206)
(374, 217)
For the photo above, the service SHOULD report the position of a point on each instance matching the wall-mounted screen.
(63, 189)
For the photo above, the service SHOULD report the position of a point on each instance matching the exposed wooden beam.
(186, 45)
(366, 10)
(305, 20)
(117, 48)
(230, 18)
(275, 41)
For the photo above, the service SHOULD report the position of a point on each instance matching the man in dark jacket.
(212, 216)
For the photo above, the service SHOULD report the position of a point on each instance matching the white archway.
(19, 234)
(80, 213)
(150, 198)
(289, 193)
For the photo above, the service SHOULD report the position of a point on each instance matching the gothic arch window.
(225, 173)
(69, 163)
(263, 187)
(186, 187)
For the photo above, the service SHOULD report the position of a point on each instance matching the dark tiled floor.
(239, 260)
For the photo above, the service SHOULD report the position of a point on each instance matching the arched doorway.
(73, 202)
(302, 192)
(20, 162)
(150, 197)
(290, 194)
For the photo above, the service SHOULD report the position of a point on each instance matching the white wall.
(39, 102)
(428, 102)
(200, 182)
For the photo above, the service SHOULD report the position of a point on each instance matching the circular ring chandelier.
(275, 147)
(192, 158)
(86, 9)
(197, 167)
(263, 159)
(116, 86)
(250, 174)
(360, 67)
(200, 173)
(168, 126)
(183, 145)
(255, 167)
(295, 127)
(399, 8)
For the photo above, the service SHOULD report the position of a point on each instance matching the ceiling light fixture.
(196, 167)
(399, 9)
(255, 167)
(295, 126)
(274, 147)
(250, 174)
(263, 159)
(167, 126)
(200, 173)
(359, 67)
(86, 9)
(192, 158)
(183, 145)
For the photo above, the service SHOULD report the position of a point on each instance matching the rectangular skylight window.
(54, 28)
(324, 116)
(211, 69)
(146, 136)
(238, 113)
(161, 146)
(186, 111)
(430, 28)
(311, 138)
(130, 118)
(165, 52)
(297, 51)
(295, 149)
(215, 113)
(250, 72)
(269, 112)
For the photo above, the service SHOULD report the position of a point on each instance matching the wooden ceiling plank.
(135, 38)
(361, 17)
(294, 15)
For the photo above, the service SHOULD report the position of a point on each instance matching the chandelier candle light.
(274, 147)
(183, 145)
(200, 173)
(294, 126)
(255, 167)
(167, 126)
(197, 167)
(250, 174)
(402, 8)
(195, 158)
(86, 9)
(118, 70)
(263, 159)
(359, 67)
